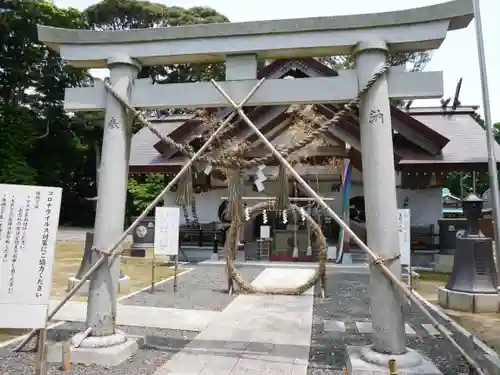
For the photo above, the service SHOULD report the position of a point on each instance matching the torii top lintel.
(409, 30)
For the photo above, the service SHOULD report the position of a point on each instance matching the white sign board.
(167, 230)
(29, 218)
(331, 252)
(404, 235)
(265, 231)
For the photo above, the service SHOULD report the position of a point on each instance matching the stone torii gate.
(368, 37)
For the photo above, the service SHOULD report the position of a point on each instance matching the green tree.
(134, 14)
(39, 142)
(496, 131)
(112, 15)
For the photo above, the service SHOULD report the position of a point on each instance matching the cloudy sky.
(457, 57)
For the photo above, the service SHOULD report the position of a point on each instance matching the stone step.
(366, 328)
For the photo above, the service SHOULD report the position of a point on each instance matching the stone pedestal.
(443, 263)
(364, 361)
(124, 285)
(347, 258)
(469, 302)
(90, 351)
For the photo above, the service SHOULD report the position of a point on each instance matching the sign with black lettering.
(29, 218)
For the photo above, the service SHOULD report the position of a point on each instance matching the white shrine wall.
(425, 204)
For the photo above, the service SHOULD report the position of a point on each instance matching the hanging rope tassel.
(282, 199)
(186, 215)
(236, 208)
(196, 222)
(184, 193)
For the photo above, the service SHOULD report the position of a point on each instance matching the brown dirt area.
(486, 327)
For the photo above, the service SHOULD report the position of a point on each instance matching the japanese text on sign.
(29, 217)
(403, 224)
(167, 230)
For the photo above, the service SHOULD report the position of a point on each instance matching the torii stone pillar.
(379, 184)
(110, 212)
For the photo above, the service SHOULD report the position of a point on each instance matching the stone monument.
(369, 37)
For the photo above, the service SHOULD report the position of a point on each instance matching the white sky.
(457, 57)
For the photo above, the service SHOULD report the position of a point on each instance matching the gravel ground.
(348, 301)
(160, 345)
(203, 288)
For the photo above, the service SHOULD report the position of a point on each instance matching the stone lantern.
(86, 264)
(472, 285)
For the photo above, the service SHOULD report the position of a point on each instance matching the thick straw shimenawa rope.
(245, 287)
(234, 161)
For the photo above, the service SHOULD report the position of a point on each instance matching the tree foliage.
(112, 15)
(39, 142)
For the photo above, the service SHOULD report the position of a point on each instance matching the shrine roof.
(423, 137)
(467, 139)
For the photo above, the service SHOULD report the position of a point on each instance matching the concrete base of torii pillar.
(364, 361)
(114, 354)
(389, 338)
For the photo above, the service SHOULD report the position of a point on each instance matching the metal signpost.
(490, 139)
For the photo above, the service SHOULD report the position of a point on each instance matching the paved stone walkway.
(254, 335)
(138, 316)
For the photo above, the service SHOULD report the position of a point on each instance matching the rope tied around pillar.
(105, 252)
(386, 261)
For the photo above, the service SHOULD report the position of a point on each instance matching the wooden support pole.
(176, 264)
(153, 272)
(392, 367)
(41, 362)
(66, 356)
